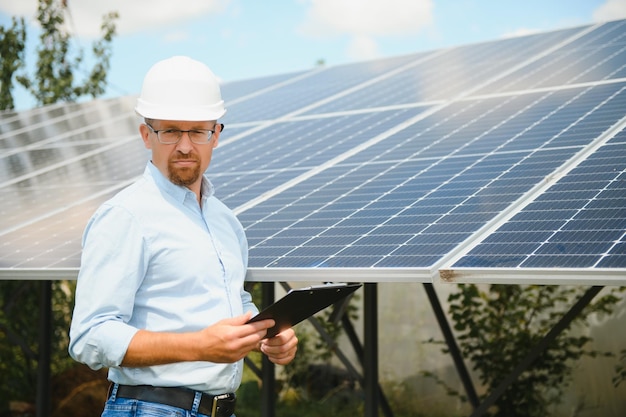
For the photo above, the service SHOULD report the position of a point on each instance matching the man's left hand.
(281, 349)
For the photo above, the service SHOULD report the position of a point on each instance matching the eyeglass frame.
(180, 133)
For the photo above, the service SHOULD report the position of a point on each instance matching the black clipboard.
(301, 303)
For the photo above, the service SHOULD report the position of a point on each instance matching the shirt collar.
(176, 191)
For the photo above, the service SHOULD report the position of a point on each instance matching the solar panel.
(579, 222)
(497, 161)
(593, 55)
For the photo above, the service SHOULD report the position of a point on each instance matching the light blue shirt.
(155, 259)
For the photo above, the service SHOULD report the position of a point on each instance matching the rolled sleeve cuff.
(106, 345)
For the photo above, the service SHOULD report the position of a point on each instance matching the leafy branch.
(498, 326)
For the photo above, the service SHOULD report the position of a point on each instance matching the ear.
(144, 131)
(216, 137)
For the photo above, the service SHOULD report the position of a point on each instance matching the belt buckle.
(216, 398)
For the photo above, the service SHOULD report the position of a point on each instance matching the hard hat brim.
(192, 113)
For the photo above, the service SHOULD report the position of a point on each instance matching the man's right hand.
(226, 341)
(230, 340)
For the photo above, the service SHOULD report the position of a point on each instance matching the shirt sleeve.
(113, 265)
(246, 297)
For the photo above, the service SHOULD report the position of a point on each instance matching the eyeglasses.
(173, 136)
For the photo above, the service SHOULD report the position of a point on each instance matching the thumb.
(242, 319)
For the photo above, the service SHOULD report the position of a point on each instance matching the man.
(160, 298)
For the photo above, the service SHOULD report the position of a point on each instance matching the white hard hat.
(180, 88)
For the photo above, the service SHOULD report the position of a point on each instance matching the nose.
(185, 144)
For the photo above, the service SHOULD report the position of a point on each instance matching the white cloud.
(369, 17)
(364, 20)
(610, 10)
(521, 32)
(27, 9)
(362, 48)
(134, 15)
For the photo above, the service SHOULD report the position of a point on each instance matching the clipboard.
(301, 303)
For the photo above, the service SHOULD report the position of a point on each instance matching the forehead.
(183, 124)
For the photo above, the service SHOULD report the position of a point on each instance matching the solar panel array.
(499, 161)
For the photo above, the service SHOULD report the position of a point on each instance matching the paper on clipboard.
(301, 303)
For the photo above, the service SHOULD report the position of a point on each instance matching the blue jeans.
(126, 407)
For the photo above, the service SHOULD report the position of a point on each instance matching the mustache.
(179, 156)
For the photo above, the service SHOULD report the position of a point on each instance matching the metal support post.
(452, 346)
(45, 346)
(268, 390)
(358, 349)
(370, 365)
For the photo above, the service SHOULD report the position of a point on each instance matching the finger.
(253, 327)
(242, 319)
(280, 345)
(262, 325)
(279, 351)
(282, 338)
(283, 358)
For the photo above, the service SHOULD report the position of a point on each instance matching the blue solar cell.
(406, 261)
(552, 261)
(615, 260)
(238, 89)
(573, 248)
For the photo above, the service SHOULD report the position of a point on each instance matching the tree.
(497, 327)
(12, 43)
(19, 300)
(19, 337)
(57, 63)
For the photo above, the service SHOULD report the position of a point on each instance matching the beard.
(183, 176)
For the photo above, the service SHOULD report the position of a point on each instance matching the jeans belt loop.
(112, 394)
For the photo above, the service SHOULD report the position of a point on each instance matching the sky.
(243, 39)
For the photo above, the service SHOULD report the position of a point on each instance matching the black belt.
(212, 405)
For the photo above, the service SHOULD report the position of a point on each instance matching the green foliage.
(57, 62)
(497, 327)
(249, 405)
(620, 369)
(403, 401)
(313, 348)
(19, 336)
(12, 44)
